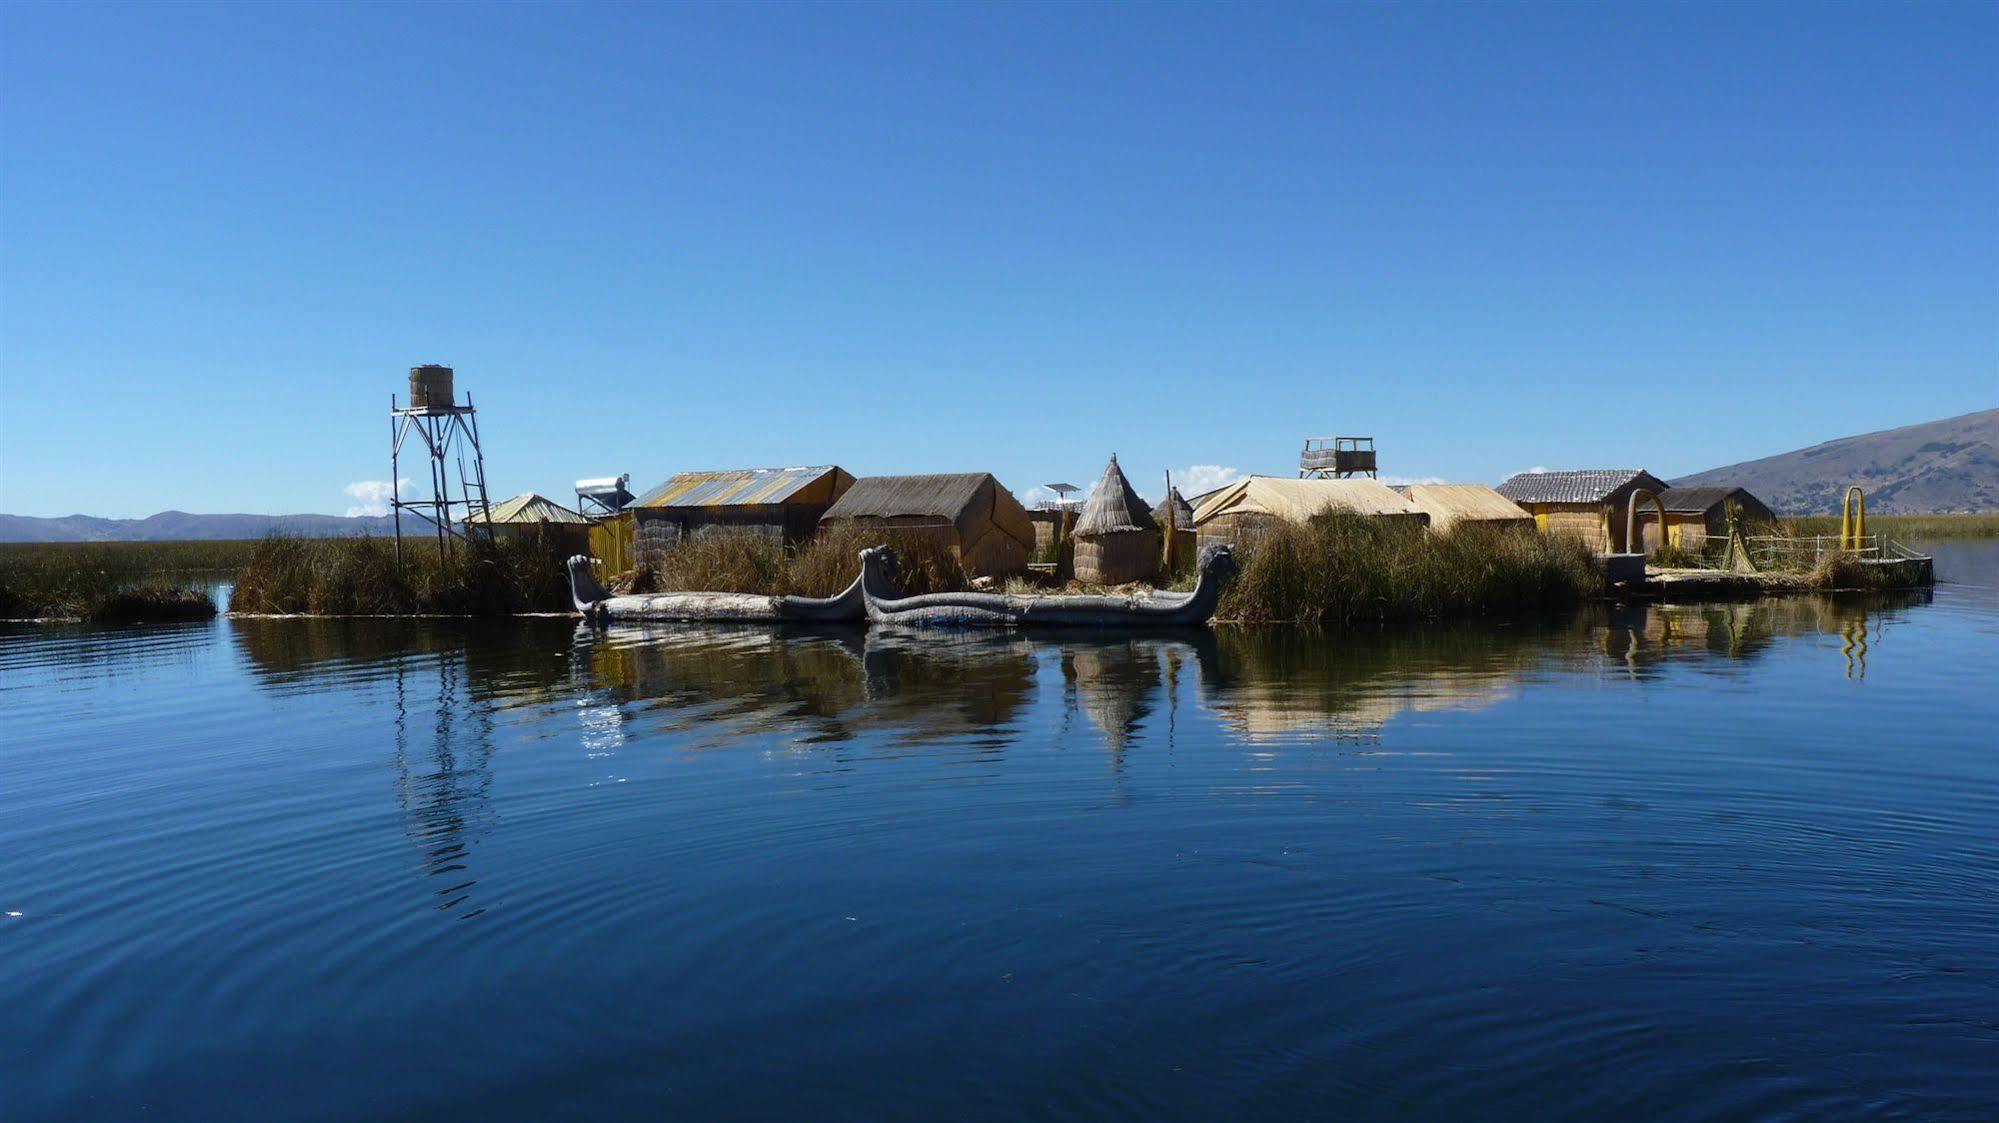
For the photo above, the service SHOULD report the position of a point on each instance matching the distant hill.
(1940, 467)
(170, 526)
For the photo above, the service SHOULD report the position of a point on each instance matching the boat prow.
(599, 605)
(872, 597)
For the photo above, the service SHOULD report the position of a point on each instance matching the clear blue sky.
(1005, 238)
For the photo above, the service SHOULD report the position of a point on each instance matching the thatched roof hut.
(1237, 512)
(1174, 510)
(971, 511)
(1116, 538)
(1448, 505)
(1051, 528)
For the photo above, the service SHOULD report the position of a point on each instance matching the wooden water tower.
(450, 436)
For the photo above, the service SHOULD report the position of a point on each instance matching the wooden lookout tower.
(1336, 458)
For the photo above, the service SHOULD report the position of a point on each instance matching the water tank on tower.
(430, 387)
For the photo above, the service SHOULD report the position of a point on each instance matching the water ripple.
(1674, 862)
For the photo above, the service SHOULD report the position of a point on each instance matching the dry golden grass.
(1343, 568)
(360, 577)
(741, 562)
(1901, 526)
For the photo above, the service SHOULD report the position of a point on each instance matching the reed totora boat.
(872, 597)
(597, 604)
(1044, 610)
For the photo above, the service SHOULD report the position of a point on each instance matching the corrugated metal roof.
(1114, 506)
(1589, 485)
(742, 487)
(1695, 500)
(527, 507)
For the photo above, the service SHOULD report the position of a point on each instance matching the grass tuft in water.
(1845, 573)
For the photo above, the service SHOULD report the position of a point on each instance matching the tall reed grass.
(360, 577)
(1343, 568)
(1901, 526)
(744, 562)
(110, 582)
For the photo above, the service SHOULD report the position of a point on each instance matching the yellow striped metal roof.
(741, 487)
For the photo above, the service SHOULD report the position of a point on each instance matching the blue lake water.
(1692, 862)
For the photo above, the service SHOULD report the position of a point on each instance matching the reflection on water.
(719, 685)
(1116, 683)
(722, 684)
(1728, 860)
(442, 783)
(1645, 637)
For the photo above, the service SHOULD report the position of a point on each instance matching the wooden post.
(1170, 528)
(395, 489)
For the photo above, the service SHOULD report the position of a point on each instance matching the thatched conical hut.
(1117, 539)
(1174, 511)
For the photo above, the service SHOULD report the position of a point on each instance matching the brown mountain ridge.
(1938, 467)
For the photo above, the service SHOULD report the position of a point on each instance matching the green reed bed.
(361, 577)
(1343, 568)
(113, 582)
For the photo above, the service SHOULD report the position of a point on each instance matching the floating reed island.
(1334, 567)
(793, 543)
(1337, 567)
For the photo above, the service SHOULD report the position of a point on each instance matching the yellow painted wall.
(611, 544)
(1683, 529)
(1575, 520)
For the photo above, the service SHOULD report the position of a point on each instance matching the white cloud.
(1197, 478)
(1405, 481)
(1034, 496)
(373, 496)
